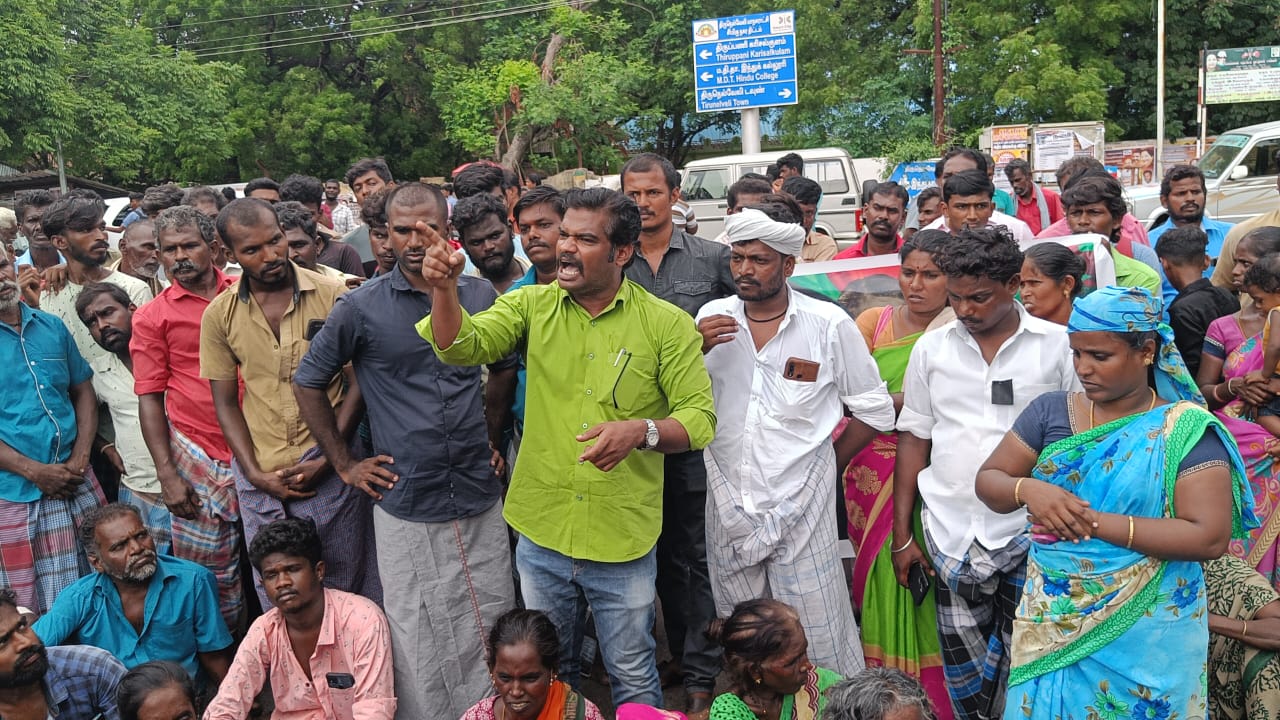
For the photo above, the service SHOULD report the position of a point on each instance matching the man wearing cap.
(783, 369)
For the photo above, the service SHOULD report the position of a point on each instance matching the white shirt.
(1021, 231)
(947, 399)
(113, 383)
(769, 429)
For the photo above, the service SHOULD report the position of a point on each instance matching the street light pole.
(1159, 90)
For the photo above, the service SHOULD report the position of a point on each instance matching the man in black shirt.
(1183, 257)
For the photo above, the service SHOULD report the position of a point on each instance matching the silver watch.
(650, 435)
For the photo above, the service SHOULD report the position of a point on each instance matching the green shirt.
(639, 358)
(1135, 273)
(1005, 203)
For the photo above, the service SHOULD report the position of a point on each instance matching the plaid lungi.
(210, 539)
(344, 518)
(40, 551)
(977, 598)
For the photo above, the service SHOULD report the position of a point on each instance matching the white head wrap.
(751, 224)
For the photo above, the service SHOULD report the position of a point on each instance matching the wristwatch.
(650, 435)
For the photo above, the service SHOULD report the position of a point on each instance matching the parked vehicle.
(1240, 172)
(706, 184)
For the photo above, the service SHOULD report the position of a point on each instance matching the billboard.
(1250, 74)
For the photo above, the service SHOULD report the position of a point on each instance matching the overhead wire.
(292, 9)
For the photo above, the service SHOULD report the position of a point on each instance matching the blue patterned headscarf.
(1135, 309)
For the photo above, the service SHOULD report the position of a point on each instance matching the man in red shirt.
(883, 217)
(1037, 207)
(175, 407)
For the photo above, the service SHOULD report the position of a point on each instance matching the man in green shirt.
(615, 380)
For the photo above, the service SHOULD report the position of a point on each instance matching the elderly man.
(48, 415)
(139, 258)
(140, 605)
(784, 367)
(615, 382)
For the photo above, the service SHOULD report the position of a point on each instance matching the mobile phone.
(918, 583)
(800, 370)
(340, 681)
(313, 329)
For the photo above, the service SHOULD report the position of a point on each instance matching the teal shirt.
(639, 358)
(1005, 203)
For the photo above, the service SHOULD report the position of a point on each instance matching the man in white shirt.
(968, 201)
(783, 368)
(965, 385)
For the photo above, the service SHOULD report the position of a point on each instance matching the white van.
(706, 184)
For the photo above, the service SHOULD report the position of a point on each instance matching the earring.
(1150, 360)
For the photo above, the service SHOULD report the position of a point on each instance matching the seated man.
(139, 605)
(345, 639)
(75, 682)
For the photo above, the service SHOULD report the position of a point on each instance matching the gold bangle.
(1244, 628)
(1017, 488)
(1129, 545)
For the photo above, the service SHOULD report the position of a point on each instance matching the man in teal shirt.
(615, 380)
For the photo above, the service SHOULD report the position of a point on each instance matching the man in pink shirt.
(175, 407)
(326, 652)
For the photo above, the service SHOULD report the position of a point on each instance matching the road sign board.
(745, 61)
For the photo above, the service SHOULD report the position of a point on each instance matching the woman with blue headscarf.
(1127, 486)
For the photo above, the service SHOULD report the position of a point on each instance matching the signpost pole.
(1159, 90)
(750, 131)
(1202, 110)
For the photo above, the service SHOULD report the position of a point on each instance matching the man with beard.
(210, 202)
(615, 382)
(883, 216)
(139, 258)
(965, 384)
(259, 333)
(688, 272)
(48, 415)
(373, 211)
(306, 243)
(1183, 195)
(71, 682)
(783, 374)
(40, 252)
(175, 406)
(325, 653)
(140, 605)
(108, 313)
(437, 517)
(1037, 207)
(77, 229)
(808, 193)
(481, 223)
(309, 191)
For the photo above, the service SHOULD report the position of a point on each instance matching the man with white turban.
(783, 367)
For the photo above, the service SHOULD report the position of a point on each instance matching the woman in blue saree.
(1128, 487)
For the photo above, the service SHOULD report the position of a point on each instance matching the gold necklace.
(1150, 407)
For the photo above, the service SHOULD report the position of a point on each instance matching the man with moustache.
(139, 258)
(77, 229)
(783, 372)
(818, 247)
(140, 605)
(71, 682)
(306, 243)
(1183, 194)
(259, 333)
(616, 380)
(883, 217)
(175, 406)
(481, 223)
(325, 653)
(965, 384)
(688, 272)
(210, 202)
(366, 176)
(338, 211)
(107, 311)
(48, 414)
(40, 253)
(373, 211)
(437, 516)
(958, 160)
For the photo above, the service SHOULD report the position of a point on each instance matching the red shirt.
(166, 358)
(859, 249)
(1029, 210)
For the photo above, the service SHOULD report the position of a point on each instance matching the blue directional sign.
(745, 61)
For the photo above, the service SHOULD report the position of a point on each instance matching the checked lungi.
(344, 518)
(210, 539)
(977, 598)
(40, 551)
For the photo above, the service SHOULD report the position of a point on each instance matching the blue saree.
(1102, 632)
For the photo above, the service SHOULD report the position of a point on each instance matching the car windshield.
(1224, 150)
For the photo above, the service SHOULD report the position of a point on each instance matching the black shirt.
(693, 272)
(1199, 304)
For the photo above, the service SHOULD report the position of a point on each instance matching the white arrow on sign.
(706, 77)
(785, 93)
(704, 54)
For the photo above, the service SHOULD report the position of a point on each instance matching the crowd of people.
(422, 456)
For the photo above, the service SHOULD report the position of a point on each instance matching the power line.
(283, 34)
(414, 25)
(354, 4)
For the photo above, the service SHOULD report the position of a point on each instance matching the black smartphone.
(313, 329)
(918, 583)
(340, 681)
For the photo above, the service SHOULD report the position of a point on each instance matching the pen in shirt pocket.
(618, 358)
